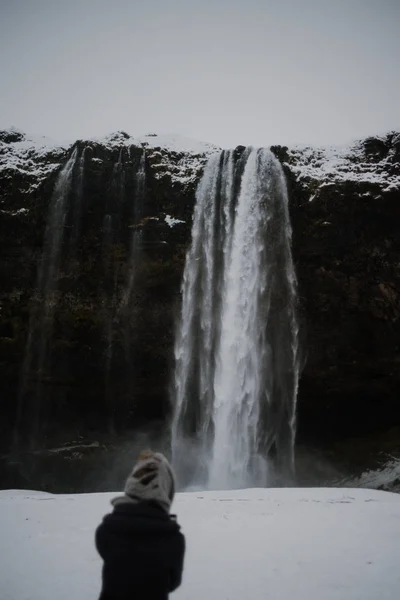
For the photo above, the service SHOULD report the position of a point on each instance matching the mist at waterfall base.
(237, 348)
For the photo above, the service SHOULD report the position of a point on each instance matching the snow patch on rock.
(32, 156)
(352, 163)
(171, 221)
(176, 159)
(172, 143)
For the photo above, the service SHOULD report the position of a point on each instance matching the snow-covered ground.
(310, 544)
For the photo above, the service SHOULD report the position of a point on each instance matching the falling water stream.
(236, 347)
(41, 320)
(134, 250)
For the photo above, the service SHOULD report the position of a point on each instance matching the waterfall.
(37, 350)
(117, 302)
(140, 187)
(48, 269)
(118, 181)
(109, 293)
(134, 250)
(236, 349)
(77, 206)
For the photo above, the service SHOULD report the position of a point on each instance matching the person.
(140, 542)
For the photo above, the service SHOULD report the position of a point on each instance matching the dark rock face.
(346, 246)
(109, 352)
(12, 135)
(108, 345)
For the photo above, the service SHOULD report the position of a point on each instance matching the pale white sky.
(251, 72)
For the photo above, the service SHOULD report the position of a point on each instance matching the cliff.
(93, 351)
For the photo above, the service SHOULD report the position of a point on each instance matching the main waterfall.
(236, 349)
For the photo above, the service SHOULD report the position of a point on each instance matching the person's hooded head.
(151, 480)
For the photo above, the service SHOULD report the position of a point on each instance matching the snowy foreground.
(310, 544)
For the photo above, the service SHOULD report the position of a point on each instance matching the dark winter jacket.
(143, 550)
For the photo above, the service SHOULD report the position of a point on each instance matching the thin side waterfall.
(236, 350)
(77, 206)
(55, 228)
(134, 250)
(112, 222)
(118, 182)
(116, 299)
(42, 313)
(109, 303)
(140, 187)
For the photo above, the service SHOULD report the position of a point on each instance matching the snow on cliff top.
(177, 158)
(352, 163)
(180, 159)
(314, 544)
(32, 156)
(21, 142)
(172, 143)
(173, 158)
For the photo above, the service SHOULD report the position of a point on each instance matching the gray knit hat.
(152, 479)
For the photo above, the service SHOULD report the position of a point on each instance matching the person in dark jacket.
(140, 542)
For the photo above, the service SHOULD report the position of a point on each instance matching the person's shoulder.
(143, 508)
(144, 515)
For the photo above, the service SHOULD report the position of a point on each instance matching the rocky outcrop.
(117, 289)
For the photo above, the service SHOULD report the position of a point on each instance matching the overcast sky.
(251, 72)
